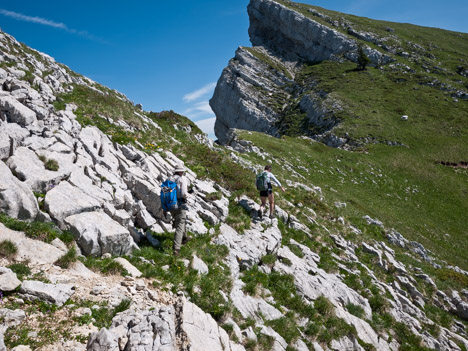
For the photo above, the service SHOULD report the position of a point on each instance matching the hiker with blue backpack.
(263, 183)
(173, 199)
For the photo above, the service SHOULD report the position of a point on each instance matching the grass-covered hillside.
(410, 173)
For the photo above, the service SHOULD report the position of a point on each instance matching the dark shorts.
(265, 193)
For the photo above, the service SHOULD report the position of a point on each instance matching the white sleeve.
(182, 183)
(275, 180)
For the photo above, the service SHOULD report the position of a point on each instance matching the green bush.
(20, 269)
(8, 249)
(66, 260)
(356, 310)
(324, 306)
(35, 230)
(51, 165)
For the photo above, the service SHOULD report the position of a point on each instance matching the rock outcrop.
(259, 91)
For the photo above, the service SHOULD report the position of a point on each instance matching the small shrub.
(66, 260)
(8, 248)
(269, 259)
(51, 165)
(20, 269)
(363, 60)
(355, 310)
(214, 196)
(445, 274)
(103, 316)
(335, 328)
(378, 303)
(286, 327)
(324, 306)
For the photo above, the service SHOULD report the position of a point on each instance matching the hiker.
(267, 191)
(179, 211)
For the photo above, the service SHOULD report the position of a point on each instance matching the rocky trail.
(280, 292)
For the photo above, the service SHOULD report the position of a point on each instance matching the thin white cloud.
(200, 108)
(204, 106)
(49, 23)
(39, 20)
(194, 95)
(207, 126)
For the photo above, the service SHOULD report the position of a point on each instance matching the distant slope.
(300, 78)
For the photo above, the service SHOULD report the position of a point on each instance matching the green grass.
(404, 186)
(66, 260)
(420, 199)
(49, 164)
(8, 249)
(106, 266)
(173, 275)
(22, 270)
(36, 230)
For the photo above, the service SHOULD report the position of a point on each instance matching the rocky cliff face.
(255, 90)
(300, 281)
(269, 88)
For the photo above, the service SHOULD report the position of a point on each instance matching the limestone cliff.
(269, 87)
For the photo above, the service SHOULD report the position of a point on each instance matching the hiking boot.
(186, 239)
(260, 214)
(176, 252)
(272, 216)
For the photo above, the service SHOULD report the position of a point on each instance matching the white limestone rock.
(198, 265)
(8, 280)
(96, 234)
(29, 250)
(16, 112)
(12, 318)
(130, 268)
(27, 166)
(66, 200)
(11, 135)
(16, 198)
(56, 294)
(203, 333)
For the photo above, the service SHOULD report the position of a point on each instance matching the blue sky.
(169, 54)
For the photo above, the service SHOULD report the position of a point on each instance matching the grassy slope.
(415, 195)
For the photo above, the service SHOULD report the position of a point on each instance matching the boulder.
(16, 112)
(130, 268)
(16, 198)
(11, 318)
(27, 166)
(202, 331)
(182, 326)
(11, 135)
(250, 247)
(56, 294)
(8, 280)
(198, 265)
(96, 234)
(104, 340)
(29, 250)
(66, 200)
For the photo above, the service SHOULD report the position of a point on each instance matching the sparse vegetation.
(66, 260)
(8, 249)
(36, 230)
(49, 164)
(22, 270)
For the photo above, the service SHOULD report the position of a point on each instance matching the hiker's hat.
(179, 168)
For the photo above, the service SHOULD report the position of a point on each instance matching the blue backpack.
(168, 195)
